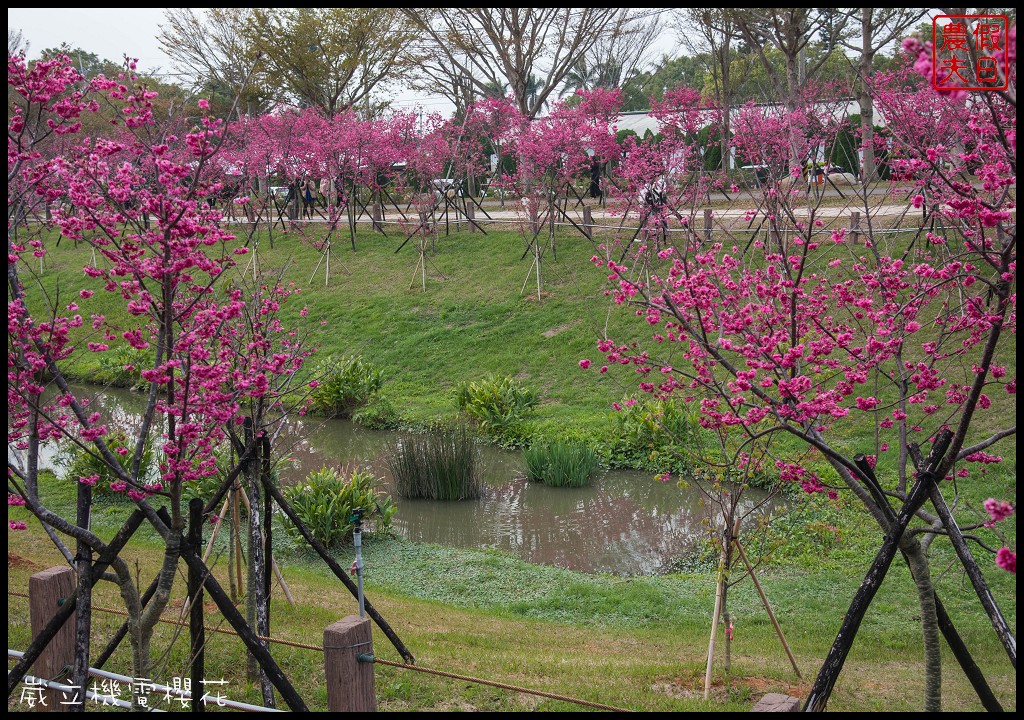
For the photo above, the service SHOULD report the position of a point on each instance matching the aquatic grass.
(560, 463)
(442, 465)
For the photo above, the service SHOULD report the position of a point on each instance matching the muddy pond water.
(624, 523)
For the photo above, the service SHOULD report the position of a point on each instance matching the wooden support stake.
(216, 529)
(273, 562)
(341, 574)
(708, 224)
(348, 665)
(588, 222)
(767, 606)
(471, 216)
(719, 589)
(855, 227)
(47, 591)
(245, 633)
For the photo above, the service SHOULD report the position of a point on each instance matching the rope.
(208, 628)
(404, 666)
(504, 686)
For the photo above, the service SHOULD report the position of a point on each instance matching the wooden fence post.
(350, 681)
(48, 590)
(588, 222)
(855, 227)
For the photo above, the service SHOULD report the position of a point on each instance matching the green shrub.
(114, 361)
(326, 501)
(436, 466)
(657, 435)
(345, 384)
(560, 463)
(87, 463)
(378, 414)
(498, 405)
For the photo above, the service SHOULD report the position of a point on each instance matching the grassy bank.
(637, 643)
(472, 320)
(478, 315)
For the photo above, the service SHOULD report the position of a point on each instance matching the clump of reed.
(436, 466)
(561, 463)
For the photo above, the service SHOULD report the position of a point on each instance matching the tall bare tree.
(710, 32)
(215, 52)
(16, 42)
(434, 75)
(879, 27)
(495, 46)
(332, 58)
(791, 30)
(616, 55)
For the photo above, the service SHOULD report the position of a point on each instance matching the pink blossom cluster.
(1007, 560)
(998, 510)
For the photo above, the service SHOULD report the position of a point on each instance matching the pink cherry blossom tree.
(550, 154)
(216, 354)
(660, 181)
(796, 337)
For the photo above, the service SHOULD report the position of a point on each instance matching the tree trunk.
(83, 610)
(820, 692)
(919, 568)
(792, 84)
(726, 97)
(867, 107)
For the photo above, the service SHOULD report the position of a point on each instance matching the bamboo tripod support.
(768, 607)
(213, 537)
(723, 572)
(535, 265)
(421, 265)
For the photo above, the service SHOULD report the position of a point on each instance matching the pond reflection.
(625, 523)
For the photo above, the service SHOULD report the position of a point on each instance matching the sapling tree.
(874, 368)
(552, 152)
(139, 198)
(488, 127)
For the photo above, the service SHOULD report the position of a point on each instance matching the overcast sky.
(109, 32)
(112, 33)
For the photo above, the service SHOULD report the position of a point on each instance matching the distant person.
(292, 201)
(308, 188)
(595, 179)
(327, 191)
